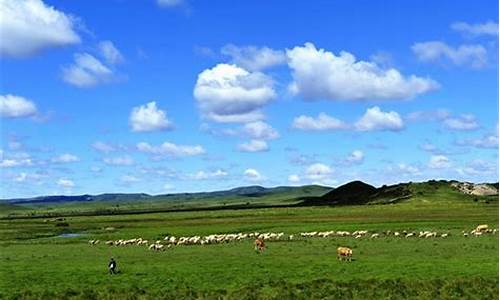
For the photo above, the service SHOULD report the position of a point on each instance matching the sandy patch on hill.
(475, 189)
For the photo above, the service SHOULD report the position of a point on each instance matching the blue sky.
(177, 95)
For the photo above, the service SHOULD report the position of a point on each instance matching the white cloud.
(65, 158)
(489, 141)
(168, 187)
(202, 175)
(439, 162)
(260, 130)
(15, 162)
(375, 119)
(320, 74)
(170, 3)
(321, 123)
(103, 147)
(253, 58)
(12, 106)
(293, 178)
(149, 118)
(65, 183)
(404, 169)
(474, 56)
(252, 175)
(86, 71)
(464, 122)
(227, 93)
(318, 172)
(129, 179)
(96, 169)
(118, 161)
(29, 177)
(488, 28)
(253, 146)
(29, 26)
(478, 167)
(171, 149)
(429, 115)
(356, 157)
(110, 53)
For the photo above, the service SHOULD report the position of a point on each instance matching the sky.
(167, 96)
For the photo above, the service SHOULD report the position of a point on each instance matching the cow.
(260, 246)
(344, 253)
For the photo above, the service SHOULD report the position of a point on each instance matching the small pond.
(70, 235)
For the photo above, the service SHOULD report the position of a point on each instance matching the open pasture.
(35, 262)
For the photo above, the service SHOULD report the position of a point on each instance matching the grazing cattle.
(260, 246)
(344, 253)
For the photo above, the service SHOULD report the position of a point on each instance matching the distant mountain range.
(253, 191)
(352, 193)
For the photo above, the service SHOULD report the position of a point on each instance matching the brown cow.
(259, 245)
(344, 253)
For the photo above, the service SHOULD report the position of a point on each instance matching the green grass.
(34, 263)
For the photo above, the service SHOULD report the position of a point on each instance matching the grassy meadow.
(35, 263)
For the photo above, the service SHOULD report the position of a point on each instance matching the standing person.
(112, 266)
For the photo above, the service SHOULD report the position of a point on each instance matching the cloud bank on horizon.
(183, 99)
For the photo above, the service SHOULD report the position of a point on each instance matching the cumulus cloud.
(320, 74)
(29, 26)
(65, 183)
(375, 119)
(228, 93)
(487, 28)
(65, 158)
(149, 118)
(318, 172)
(86, 71)
(110, 53)
(253, 146)
(474, 56)
(254, 58)
(252, 175)
(260, 130)
(439, 162)
(171, 149)
(464, 122)
(118, 161)
(321, 123)
(12, 106)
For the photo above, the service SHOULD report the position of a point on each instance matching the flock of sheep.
(169, 241)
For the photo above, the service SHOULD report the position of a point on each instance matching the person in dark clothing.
(112, 266)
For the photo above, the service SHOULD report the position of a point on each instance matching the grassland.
(36, 263)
